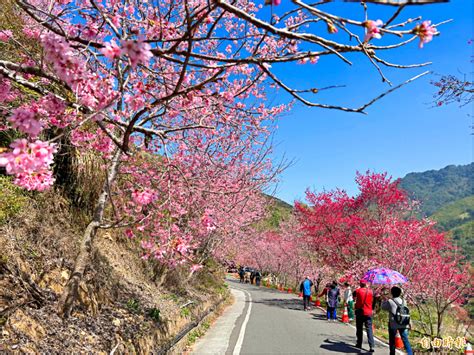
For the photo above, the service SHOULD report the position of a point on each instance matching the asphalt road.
(266, 321)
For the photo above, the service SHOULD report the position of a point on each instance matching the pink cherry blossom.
(6, 94)
(111, 50)
(5, 35)
(425, 31)
(208, 222)
(31, 32)
(25, 119)
(144, 197)
(30, 163)
(38, 181)
(372, 29)
(129, 233)
(138, 51)
(182, 246)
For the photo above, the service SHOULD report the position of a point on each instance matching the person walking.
(305, 289)
(252, 276)
(349, 301)
(241, 274)
(399, 319)
(258, 277)
(364, 298)
(324, 292)
(333, 296)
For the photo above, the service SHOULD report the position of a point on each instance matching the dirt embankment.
(126, 305)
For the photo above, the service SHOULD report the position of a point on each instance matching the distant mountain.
(279, 211)
(436, 188)
(447, 196)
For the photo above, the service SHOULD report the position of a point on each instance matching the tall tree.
(184, 81)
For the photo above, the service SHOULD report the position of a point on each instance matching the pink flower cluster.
(207, 222)
(372, 29)
(66, 65)
(91, 90)
(312, 60)
(5, 35)
(111, 50)
(182, 246)
(30, 163)
(6, 94)
(139, 52)
(25, 119)
(53, 108)
(144, 197)
(425, 31)
(38, 181)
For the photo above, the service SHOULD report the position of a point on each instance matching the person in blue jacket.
(332, 301)
(305, 288)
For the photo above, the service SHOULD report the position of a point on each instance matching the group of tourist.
(361, 303)
(250, 276)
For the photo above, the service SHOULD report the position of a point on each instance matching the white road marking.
(216, 339)
(240, 339)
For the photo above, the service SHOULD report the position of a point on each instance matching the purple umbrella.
(383, 276)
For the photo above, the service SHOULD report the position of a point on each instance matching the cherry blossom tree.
(453, 89)
(379, 228)
(182, 82)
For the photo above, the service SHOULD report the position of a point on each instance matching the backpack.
(402, 314)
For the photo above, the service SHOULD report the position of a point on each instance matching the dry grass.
(117, 299)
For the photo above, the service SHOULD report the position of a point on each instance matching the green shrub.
(205, 325)
(133, 305)
(154, 313)
(12, 199)
(185, 312)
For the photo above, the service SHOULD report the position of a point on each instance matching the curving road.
(265, 321)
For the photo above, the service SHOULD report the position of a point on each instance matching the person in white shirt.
(349, 301)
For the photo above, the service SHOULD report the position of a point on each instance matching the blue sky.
(402, 133)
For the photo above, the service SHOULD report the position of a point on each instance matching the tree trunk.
(70, 293)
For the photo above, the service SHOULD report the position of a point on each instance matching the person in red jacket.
(364, 299)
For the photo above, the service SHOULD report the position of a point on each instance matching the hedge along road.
(265, 321)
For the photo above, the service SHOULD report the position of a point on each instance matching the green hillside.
(457, 219)
(463, 237)
(455, 214)
(278, 210)
(437, 188)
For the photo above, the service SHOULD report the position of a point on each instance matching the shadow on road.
(294, 304)
(339, 347)
(319, 316)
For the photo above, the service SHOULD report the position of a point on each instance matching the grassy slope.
(455, 214)
(122, 296)
(437, 188)
(457, 219)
